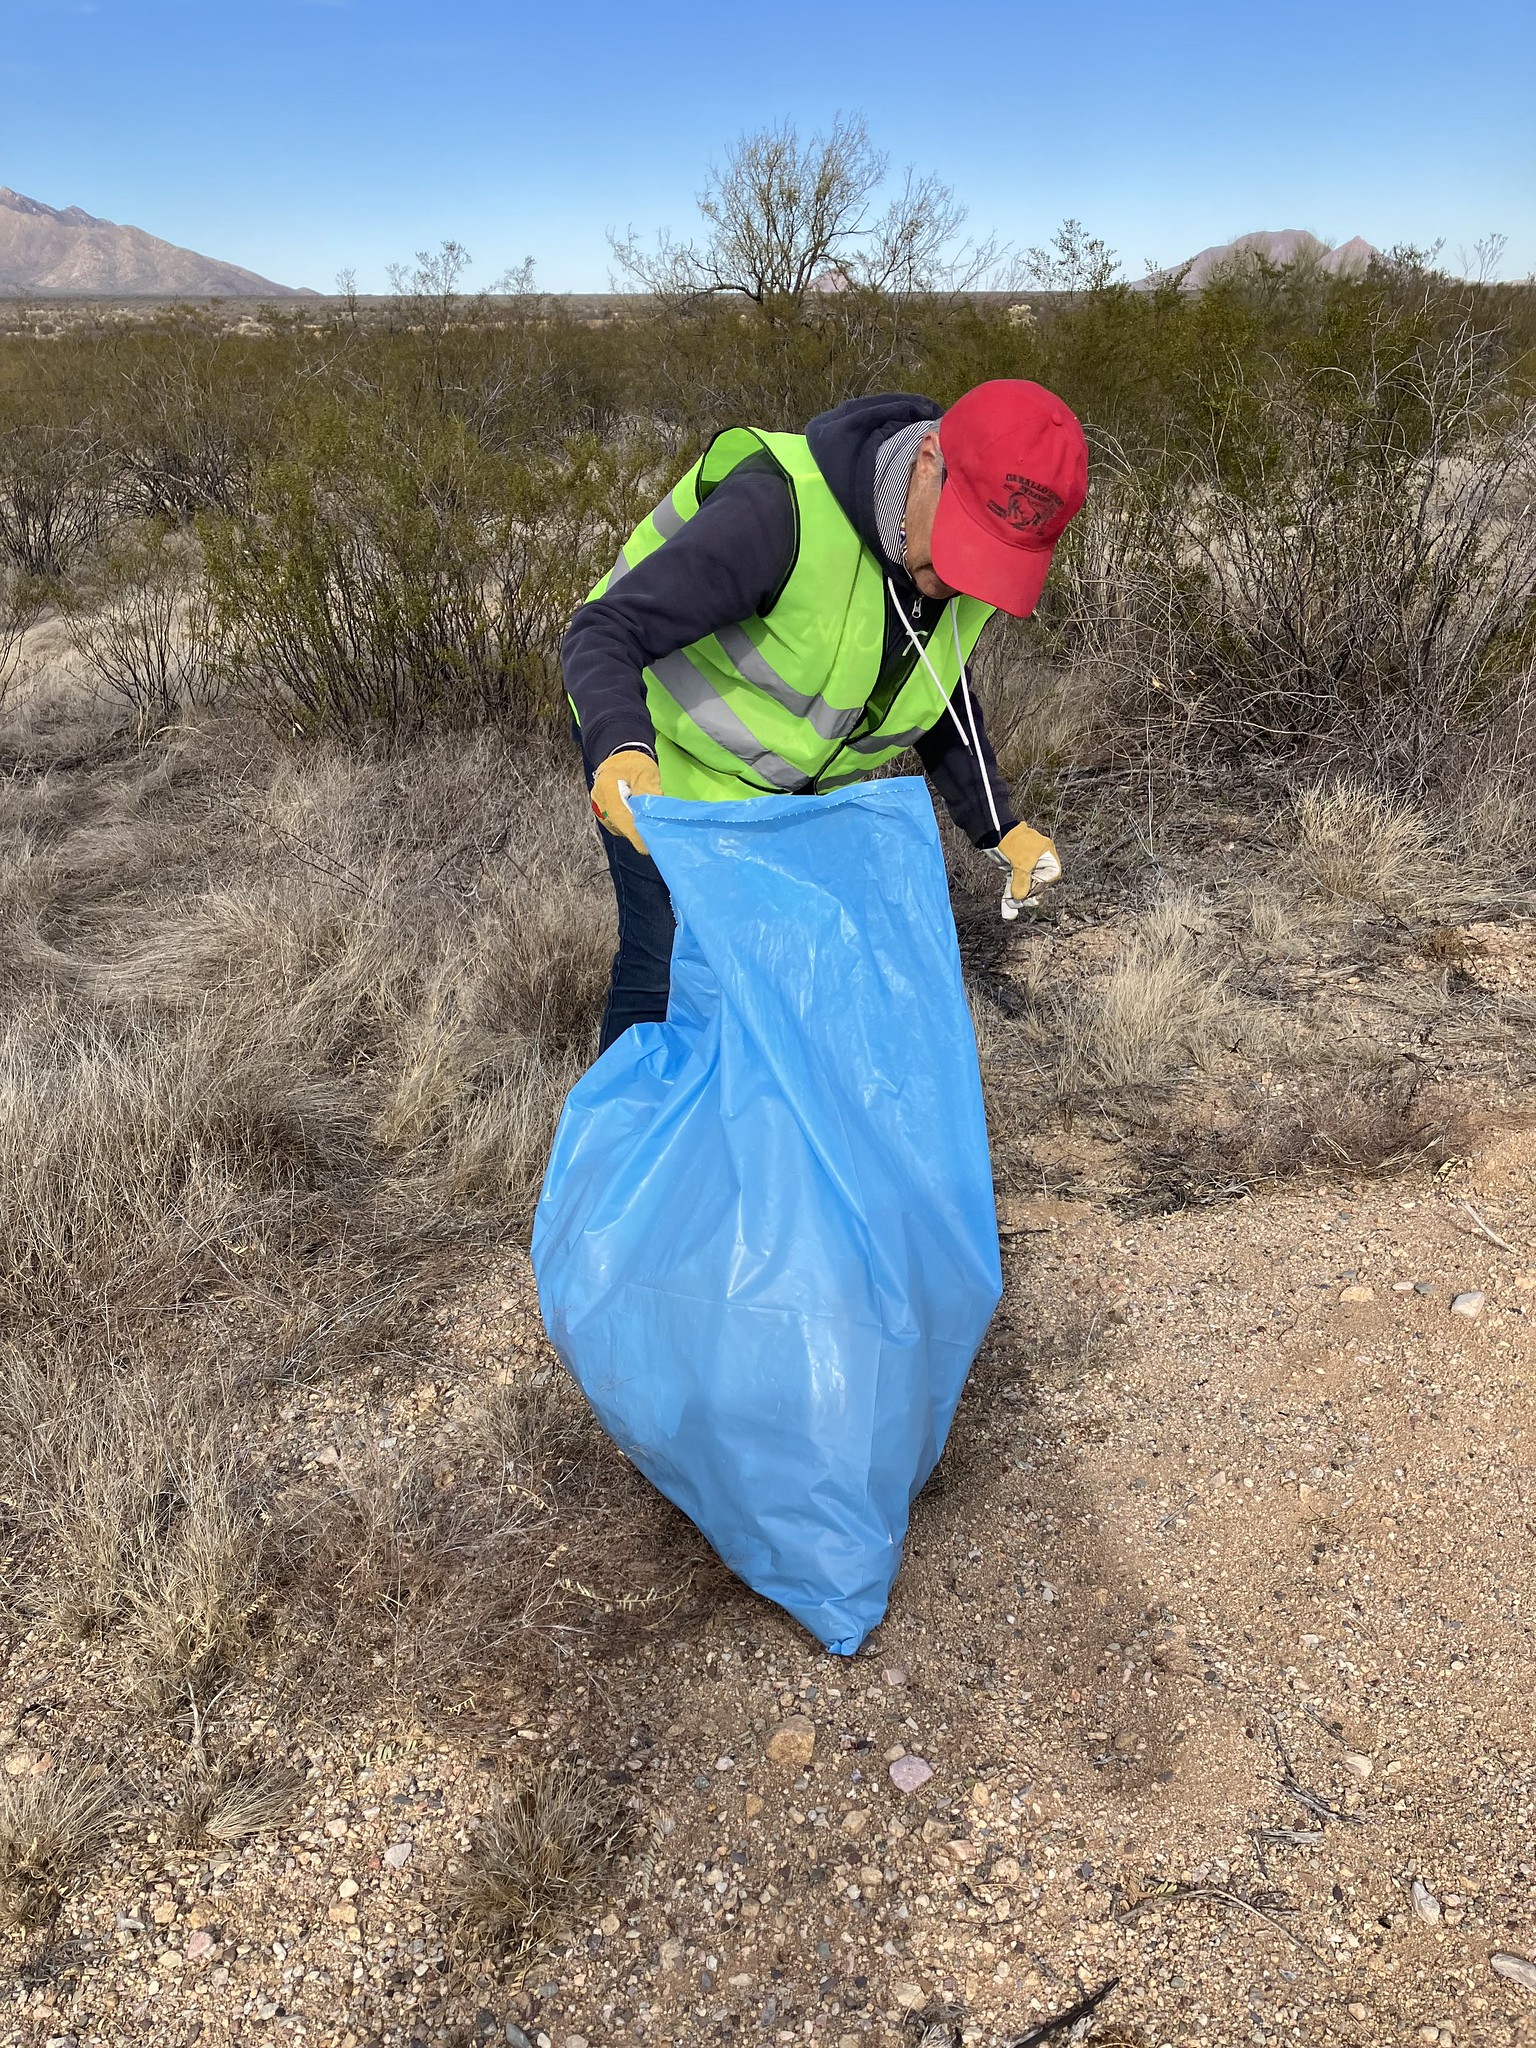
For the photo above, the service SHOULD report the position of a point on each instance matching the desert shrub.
(1355, 568)
(54, 482)
(191, 412)
(404, 576)
(146, 634)
(20, 604)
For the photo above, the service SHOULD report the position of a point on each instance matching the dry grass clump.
(130, 1511)
(539, 1854)
(1153, 1013)
(233, 1800)
(1366, 1125)
(537, 1430)
(288, 1029)
(51, 1829)
(1357, 844)
(200, 1590)
(129, 1152)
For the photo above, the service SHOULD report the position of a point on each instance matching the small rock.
(725, 1763)
(1423, 1286)
(1518, 1969)
(1123, 1743)
(575, 2041)
(1358, 1293)
(1425, 1904)
(910, 1997)
(397, 1855)
(1357, 1765)
(896, 1675)
(793, 1741)
(347, 1889)
(1401, 1287)
(200, 1944)
(1526, 1282)
(1005, 1870)
(1357, 2011)
(855, 1823)
(1469, 1305)
(910, 1773)
(894, 1752)
(1430, 2034)
(330, 1455)
(754, 1806)
(610, 1924)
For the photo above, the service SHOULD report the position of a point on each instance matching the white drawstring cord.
(973, 740)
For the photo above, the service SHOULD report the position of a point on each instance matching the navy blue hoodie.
(727, 564)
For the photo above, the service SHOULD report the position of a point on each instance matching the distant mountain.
(45, 250)
(1285, 245)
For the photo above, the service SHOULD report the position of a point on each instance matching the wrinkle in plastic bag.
(766, 1245)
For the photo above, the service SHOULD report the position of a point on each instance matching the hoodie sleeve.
(726, 564)
(968, 779)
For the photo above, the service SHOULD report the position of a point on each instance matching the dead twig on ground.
(1064, 2022)
(1483, 1229)
(1291, 1785)
(1169, 1894)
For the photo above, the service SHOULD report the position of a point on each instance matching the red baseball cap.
(1015, 473)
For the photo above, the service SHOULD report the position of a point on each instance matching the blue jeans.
(642, 967)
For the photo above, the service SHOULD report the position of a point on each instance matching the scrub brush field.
(356, 1691)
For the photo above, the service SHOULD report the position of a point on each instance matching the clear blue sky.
(300, 136)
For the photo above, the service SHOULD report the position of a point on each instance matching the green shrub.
(404, 575)
(1357, 567)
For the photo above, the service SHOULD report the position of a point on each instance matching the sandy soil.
(1237, 1509)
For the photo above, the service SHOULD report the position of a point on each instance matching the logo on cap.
(1029, 505)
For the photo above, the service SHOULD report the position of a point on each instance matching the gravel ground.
(1215, 1637)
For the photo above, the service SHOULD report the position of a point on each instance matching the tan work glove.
(640, 776)
(1033, 866)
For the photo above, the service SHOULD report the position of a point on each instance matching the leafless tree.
(429, 293)
(1483, 265)
(1072, 261)
(787, 218)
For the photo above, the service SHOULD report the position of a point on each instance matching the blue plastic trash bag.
(766, 1245)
